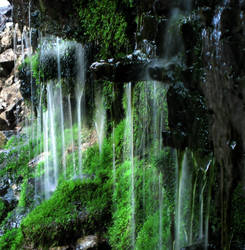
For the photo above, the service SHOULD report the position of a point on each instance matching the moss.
(11, 240)
(149, 238)
(16, 162)
(33, 63)
(105, 24)
(65, 216)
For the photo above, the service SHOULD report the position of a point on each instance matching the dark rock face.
(52, 16)
(224, 91)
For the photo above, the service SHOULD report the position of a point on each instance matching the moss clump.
(104, 22)
(11, 240)
(33, 63)
(73, 209)
(18, 157)
(149, 237)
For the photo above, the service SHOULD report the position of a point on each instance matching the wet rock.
(11, 198)
(34, 162)
(200, 246)
(162, 7)
(133, 69)
(3, 124)
(88, 242)
(188, 119)
(149, 28)
(4, 186)
(14, 219)
(7, 59)
(13, 113)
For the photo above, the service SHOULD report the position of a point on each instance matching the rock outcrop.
(12, 106)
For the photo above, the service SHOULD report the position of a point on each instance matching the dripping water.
(80, 84)
(160, 212)
(71, 133)
(61, 106)
(100, 117)
(131, 158)
(53, 135)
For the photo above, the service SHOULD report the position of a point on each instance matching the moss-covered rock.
(73, 210)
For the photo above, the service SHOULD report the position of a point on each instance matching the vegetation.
(104, 23)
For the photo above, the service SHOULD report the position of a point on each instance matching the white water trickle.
(22, 46)
(131, 158)
(154, 114)
(208, 204)
(100, 117)
(62, 129)
(201, 211)
(183, 186)
(216, 34)
(80, 84)
(71, 133)
(160, 212)
(53, 136)
(38, 136)
(46, 153)
(15, 27)
(31, 77)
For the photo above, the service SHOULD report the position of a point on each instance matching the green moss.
(149, 238)
(65, 216)
(11, 240)
(33, 63)
(104, 23)
(24, 194)
(16, 163)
